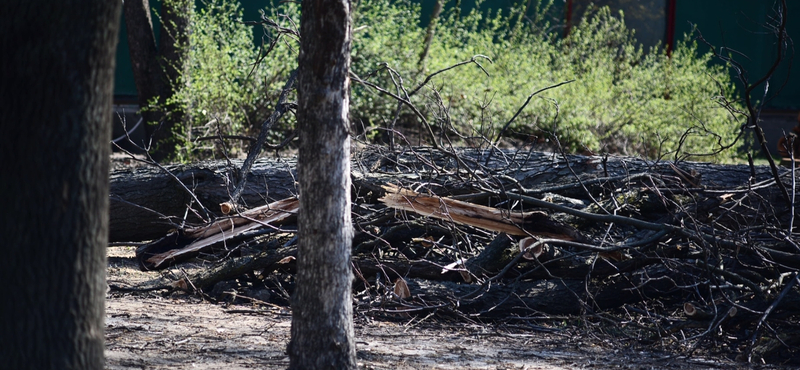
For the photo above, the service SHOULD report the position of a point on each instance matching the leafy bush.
(622, 100)
(224, 91)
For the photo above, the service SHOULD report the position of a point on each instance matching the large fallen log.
(147, 202)
(550, 296)
(181, 244)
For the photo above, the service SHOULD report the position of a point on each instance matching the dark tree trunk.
(147, 73)
(157, 69)
(57, 78)
(137, 192)
(322, 323)
(173, 46)
(429, 32)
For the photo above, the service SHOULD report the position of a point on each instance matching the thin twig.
(281, 107)
(768, 311)
(505, 127)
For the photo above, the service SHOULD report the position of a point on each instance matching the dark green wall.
(736, 24)
(123, 75)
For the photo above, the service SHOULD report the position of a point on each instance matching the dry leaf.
(181, 284)
(286, 259)
(612, 256)
(401, 289)
(466, 276)
(427, 241)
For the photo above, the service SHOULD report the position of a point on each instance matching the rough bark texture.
(144, 52)
(437, 9)
(322, 323)
(57, 81)
(135, 190)
(555, 296)
(156, 69)
(147, 73)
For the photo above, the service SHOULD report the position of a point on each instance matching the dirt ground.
(151, 330)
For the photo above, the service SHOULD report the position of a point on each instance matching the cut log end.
(226, 208)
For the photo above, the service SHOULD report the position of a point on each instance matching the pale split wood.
(454, 210)
(264, 216)
(488, 218)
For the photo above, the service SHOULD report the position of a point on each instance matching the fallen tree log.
(496, 235)
(147, 202)
(549, 296)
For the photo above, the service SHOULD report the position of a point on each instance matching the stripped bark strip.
(489, 218)
(198, 238)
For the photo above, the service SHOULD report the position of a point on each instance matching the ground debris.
(688, 258)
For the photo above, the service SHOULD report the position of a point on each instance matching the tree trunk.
(147, 73)
(57, 83)
(429, 32)
(322, 322)
(135, 193)
(173, 47)
(157, 69)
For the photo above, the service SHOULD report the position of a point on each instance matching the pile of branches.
(673, 253)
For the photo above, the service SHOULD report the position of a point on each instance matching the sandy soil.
(150, 330)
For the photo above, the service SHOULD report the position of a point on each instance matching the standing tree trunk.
(57, 78)
(429, 32)
(322, 324)
(157, 69)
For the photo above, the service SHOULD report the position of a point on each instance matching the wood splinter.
(183, 244)
(510, 222)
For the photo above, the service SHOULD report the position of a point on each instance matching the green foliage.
(384, 35)
(224, 91)
(623, 100)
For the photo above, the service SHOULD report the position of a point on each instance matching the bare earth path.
(152, 331)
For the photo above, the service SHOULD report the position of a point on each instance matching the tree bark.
(173, 47)
(552, 296)
(322, 322)
(136, 194)
(57, 83)
(147, 73)
(157, 69)
(429, 32)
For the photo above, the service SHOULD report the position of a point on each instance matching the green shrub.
(384, 34)
(224, 91)
(623, 100)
